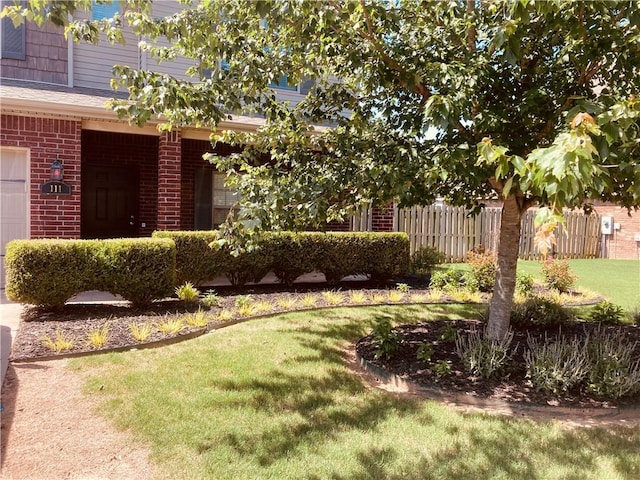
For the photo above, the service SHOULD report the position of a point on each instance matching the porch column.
(169, 176)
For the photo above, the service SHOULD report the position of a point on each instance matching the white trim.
(70, 63)
(119, 127)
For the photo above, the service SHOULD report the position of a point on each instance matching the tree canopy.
(530, 102)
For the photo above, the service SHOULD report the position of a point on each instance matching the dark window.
(213, 200)
(13, 38)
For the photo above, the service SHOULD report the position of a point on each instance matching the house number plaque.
(55, 188)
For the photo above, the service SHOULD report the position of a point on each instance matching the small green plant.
(385, 340)
(419, 297)
(634, 315)
(556, 366)
(140, 331)
(483, 269)
(262, 306)
(197, 319)
(524, 284)
(60, 344)
(425, 352)
(448, 334)
(447, 278)
(613, 370)
(309, 300)
(539, 311)
(395, 296)
(435, 295)
(424, 259)
(442, 368)
(606, 312)
(287, 303)
(210, 299)
(224, 315)
(481, 355)
(403, 287)
(378, 298)
(170, 325)
(332, 297)
(463, 295)
(557, 275)
(357, 297)
(243, 301)
(247, 310)
(99, 337)
(187, 292)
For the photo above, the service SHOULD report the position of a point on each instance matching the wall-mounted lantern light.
(56, 184)
(56, 170)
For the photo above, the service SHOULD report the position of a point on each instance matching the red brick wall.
(382, 220)
(45, 56)
(52, 216)
(169, 178)
(138, 152)
(621, 244)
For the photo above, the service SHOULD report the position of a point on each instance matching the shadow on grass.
(311, 417)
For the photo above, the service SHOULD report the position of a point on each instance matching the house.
(70, 169)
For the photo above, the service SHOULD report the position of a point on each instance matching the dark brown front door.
(109, 202)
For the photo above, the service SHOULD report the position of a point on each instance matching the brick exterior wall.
(621, 244)
(169, 178)
(382, 220)
(137, 152)
(45, 56)
(52, 216)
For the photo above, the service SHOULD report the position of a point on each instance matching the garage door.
(13, 199)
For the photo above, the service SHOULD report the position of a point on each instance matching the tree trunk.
(504, 288)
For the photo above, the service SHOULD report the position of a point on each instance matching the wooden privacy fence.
(454, 232)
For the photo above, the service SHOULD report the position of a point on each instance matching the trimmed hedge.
(290, 255)
(50, 272)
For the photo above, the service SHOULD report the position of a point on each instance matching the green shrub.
(613, 370)
(539, 311)
(482, 355)
(293, 255)
(425, 352)
(139, 269)
(448, 278)
(187, 292)
(606, 312)
(49, 272)
(556, 366)
(557, 275)
(483, 269)
(524, 284)
(210, 299)
(248, 266)
(198, 259)
(424, 259)
(385, 340)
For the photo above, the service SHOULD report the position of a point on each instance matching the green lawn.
(618, 280)
(274, 399)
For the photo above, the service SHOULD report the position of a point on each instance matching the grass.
(274, 399)
(618, 280)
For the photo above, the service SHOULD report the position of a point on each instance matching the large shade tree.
(522, 101)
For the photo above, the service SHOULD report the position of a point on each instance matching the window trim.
(6, 22)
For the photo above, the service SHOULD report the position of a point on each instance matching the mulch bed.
(77, 320)
(513, 388)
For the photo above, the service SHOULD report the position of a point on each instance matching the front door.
(109, 202)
